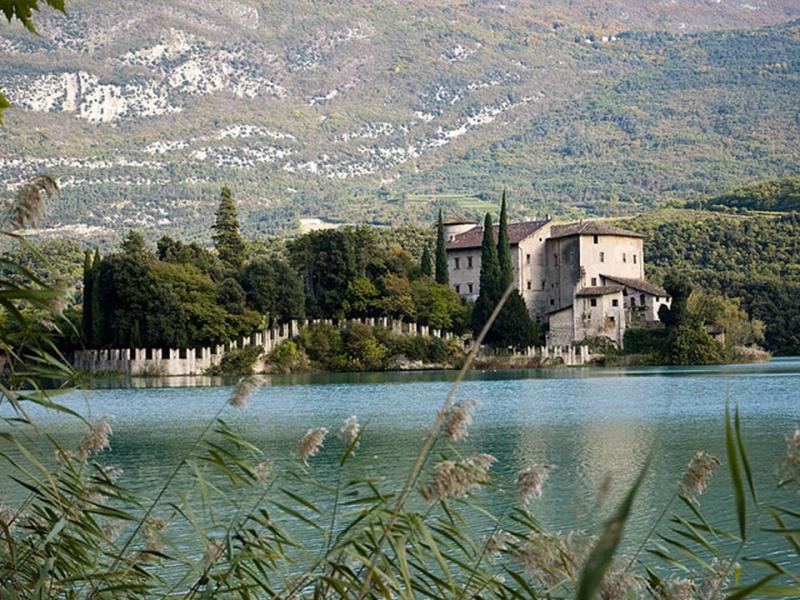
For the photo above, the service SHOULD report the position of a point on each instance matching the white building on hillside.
(585, 279)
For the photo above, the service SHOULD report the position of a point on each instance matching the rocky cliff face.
(349, 110)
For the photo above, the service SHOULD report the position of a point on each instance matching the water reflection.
(590, 423)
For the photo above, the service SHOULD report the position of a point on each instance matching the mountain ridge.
(379, 113)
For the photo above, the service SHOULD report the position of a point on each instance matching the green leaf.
(736, 475)
(603, 553)
(747, 591)
(743, 455)
(4, 103)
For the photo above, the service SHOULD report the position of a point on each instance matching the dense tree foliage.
(186, 295)
(513, 326)
(778, 195)
(274, 289)
(357, 272)
(362, 348)
(686, 341)
(754, 258)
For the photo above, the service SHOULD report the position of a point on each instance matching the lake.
(591, 424)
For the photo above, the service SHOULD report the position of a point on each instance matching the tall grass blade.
(606, 547)
(743, 455)
(736, 474)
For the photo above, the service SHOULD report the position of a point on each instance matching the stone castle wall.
(195, 361)
(141, 362)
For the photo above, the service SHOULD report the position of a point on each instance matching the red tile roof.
(516, 233)
(590, 228)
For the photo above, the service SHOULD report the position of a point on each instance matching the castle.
(585, 280)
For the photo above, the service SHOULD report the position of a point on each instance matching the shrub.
(288, 357)
(237, 361)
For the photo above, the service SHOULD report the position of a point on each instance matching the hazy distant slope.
(346, 110)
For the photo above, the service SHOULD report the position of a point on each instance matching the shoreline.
(430, 372)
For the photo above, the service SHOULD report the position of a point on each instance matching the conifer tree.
(426, 263)
(513, 326)
(86, 317)
(504, 248)
(489, 292)
(96, 302)
(441, 253)
(227, 238)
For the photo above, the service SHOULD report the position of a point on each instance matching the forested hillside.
(781, 195)
(755, 258)
(382, 112)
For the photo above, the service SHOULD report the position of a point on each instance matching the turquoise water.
(592, 424)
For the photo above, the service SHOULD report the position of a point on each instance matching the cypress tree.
(513, 326)
(441, 253)
(426, 263)
(96, 303)
(489, 292)
(227, 238)
(86, 316)
(504, 248)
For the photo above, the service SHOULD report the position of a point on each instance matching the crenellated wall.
(570, 356)
(195, 361)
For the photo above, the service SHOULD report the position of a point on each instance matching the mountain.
(382, 111)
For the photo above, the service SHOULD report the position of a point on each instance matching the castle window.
(527, 259)
(594, 281)
(458, 289)
(634, 259)
(593, 301)
(595, 239)
(612, 319)
(552, 302)
(469, 262)
(470, 287)
(602, 257)
(543, 283)
(641, 299)
(458, 263)
(615, 302)
(624, 257)
(529, 285)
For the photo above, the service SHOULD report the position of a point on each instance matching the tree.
(426, 263)
(86, 316)
(134, 244)
(327, 261)
(490, 291)
(362, 298)
(397, 298)
(514, 326)
(687, 342)
(442, 275)
(227, 238)
(439, 306)
(95, 303)
(231, 296)
(274, 288)
(504, 248)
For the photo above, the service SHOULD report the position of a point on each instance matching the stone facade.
(584, 279)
